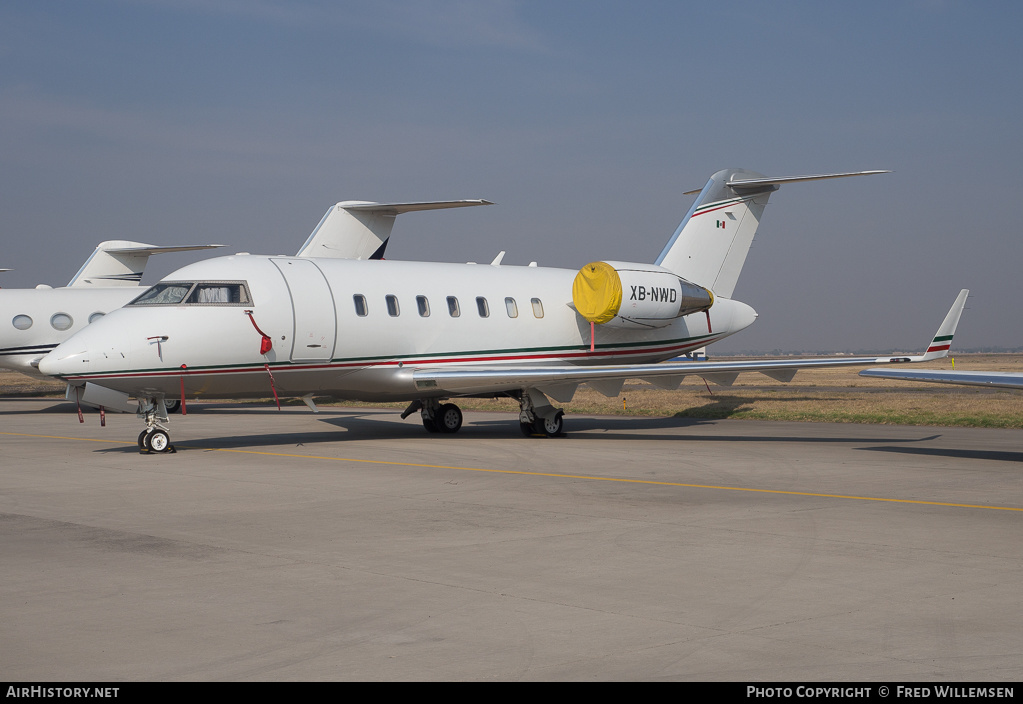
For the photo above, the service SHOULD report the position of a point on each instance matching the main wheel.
(449, 418)
(158, 441)
(431, 425)
(526, 428)
(172, 406)
(550, 426)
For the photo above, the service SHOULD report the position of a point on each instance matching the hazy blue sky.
(241, 122)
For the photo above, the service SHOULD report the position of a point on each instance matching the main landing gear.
(155, 438)
(437, 417)
(536, 415)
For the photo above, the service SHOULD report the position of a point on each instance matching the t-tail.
(122, 263)
(357, 229)
(711, 243)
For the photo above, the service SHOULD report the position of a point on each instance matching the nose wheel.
(155, 440)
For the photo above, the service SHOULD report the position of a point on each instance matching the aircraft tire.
(430, 424)
(449, 418)
(551, 427)
(142, 439)
(172, 406)
(158, 441)
(526, 428)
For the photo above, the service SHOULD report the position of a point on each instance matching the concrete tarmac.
(351, 545)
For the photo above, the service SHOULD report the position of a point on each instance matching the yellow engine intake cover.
(597, 292)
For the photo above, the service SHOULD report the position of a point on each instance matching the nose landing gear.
(155, 438)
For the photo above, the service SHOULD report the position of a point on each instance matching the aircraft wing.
(560, 381)
(1001, 380)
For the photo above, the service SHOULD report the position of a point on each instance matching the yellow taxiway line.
(558, 475)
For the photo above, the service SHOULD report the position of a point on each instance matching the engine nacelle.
(625, 294)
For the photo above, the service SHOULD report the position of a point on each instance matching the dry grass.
(823, 395)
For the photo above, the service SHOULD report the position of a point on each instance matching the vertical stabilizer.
(360, 229)
(122, 263)
(710, 245)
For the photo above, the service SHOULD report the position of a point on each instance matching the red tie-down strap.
(184, 410)
(266, 344)
(272, 386)
(78, 403)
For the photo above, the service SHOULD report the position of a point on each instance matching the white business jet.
(34, 321)
(247, 326)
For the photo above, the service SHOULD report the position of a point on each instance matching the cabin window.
(537, 307)
(392, 306)
(424, 306)
(22, 322)
(61, 321)
(96, 316)
(511, 307)
(482, 307)
(453, 309)
(361, 309)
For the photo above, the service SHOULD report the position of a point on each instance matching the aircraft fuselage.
(357, 329)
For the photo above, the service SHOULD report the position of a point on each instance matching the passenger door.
(313, 305)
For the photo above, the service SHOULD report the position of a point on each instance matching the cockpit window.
(163, 294)
(203, 293)
(218, 293)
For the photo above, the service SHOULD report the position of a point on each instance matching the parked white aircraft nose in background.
(33, 321)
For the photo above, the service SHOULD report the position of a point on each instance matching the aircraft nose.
(61, 361)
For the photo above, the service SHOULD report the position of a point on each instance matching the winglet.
(943, 338)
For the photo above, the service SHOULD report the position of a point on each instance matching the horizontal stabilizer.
(356, 229)
(122, 263)
(759, 182)
(710, 245)
(399, 208)
(148, 250)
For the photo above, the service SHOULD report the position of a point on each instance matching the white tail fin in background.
(360, 229)
(122, 263)
(710, 246)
